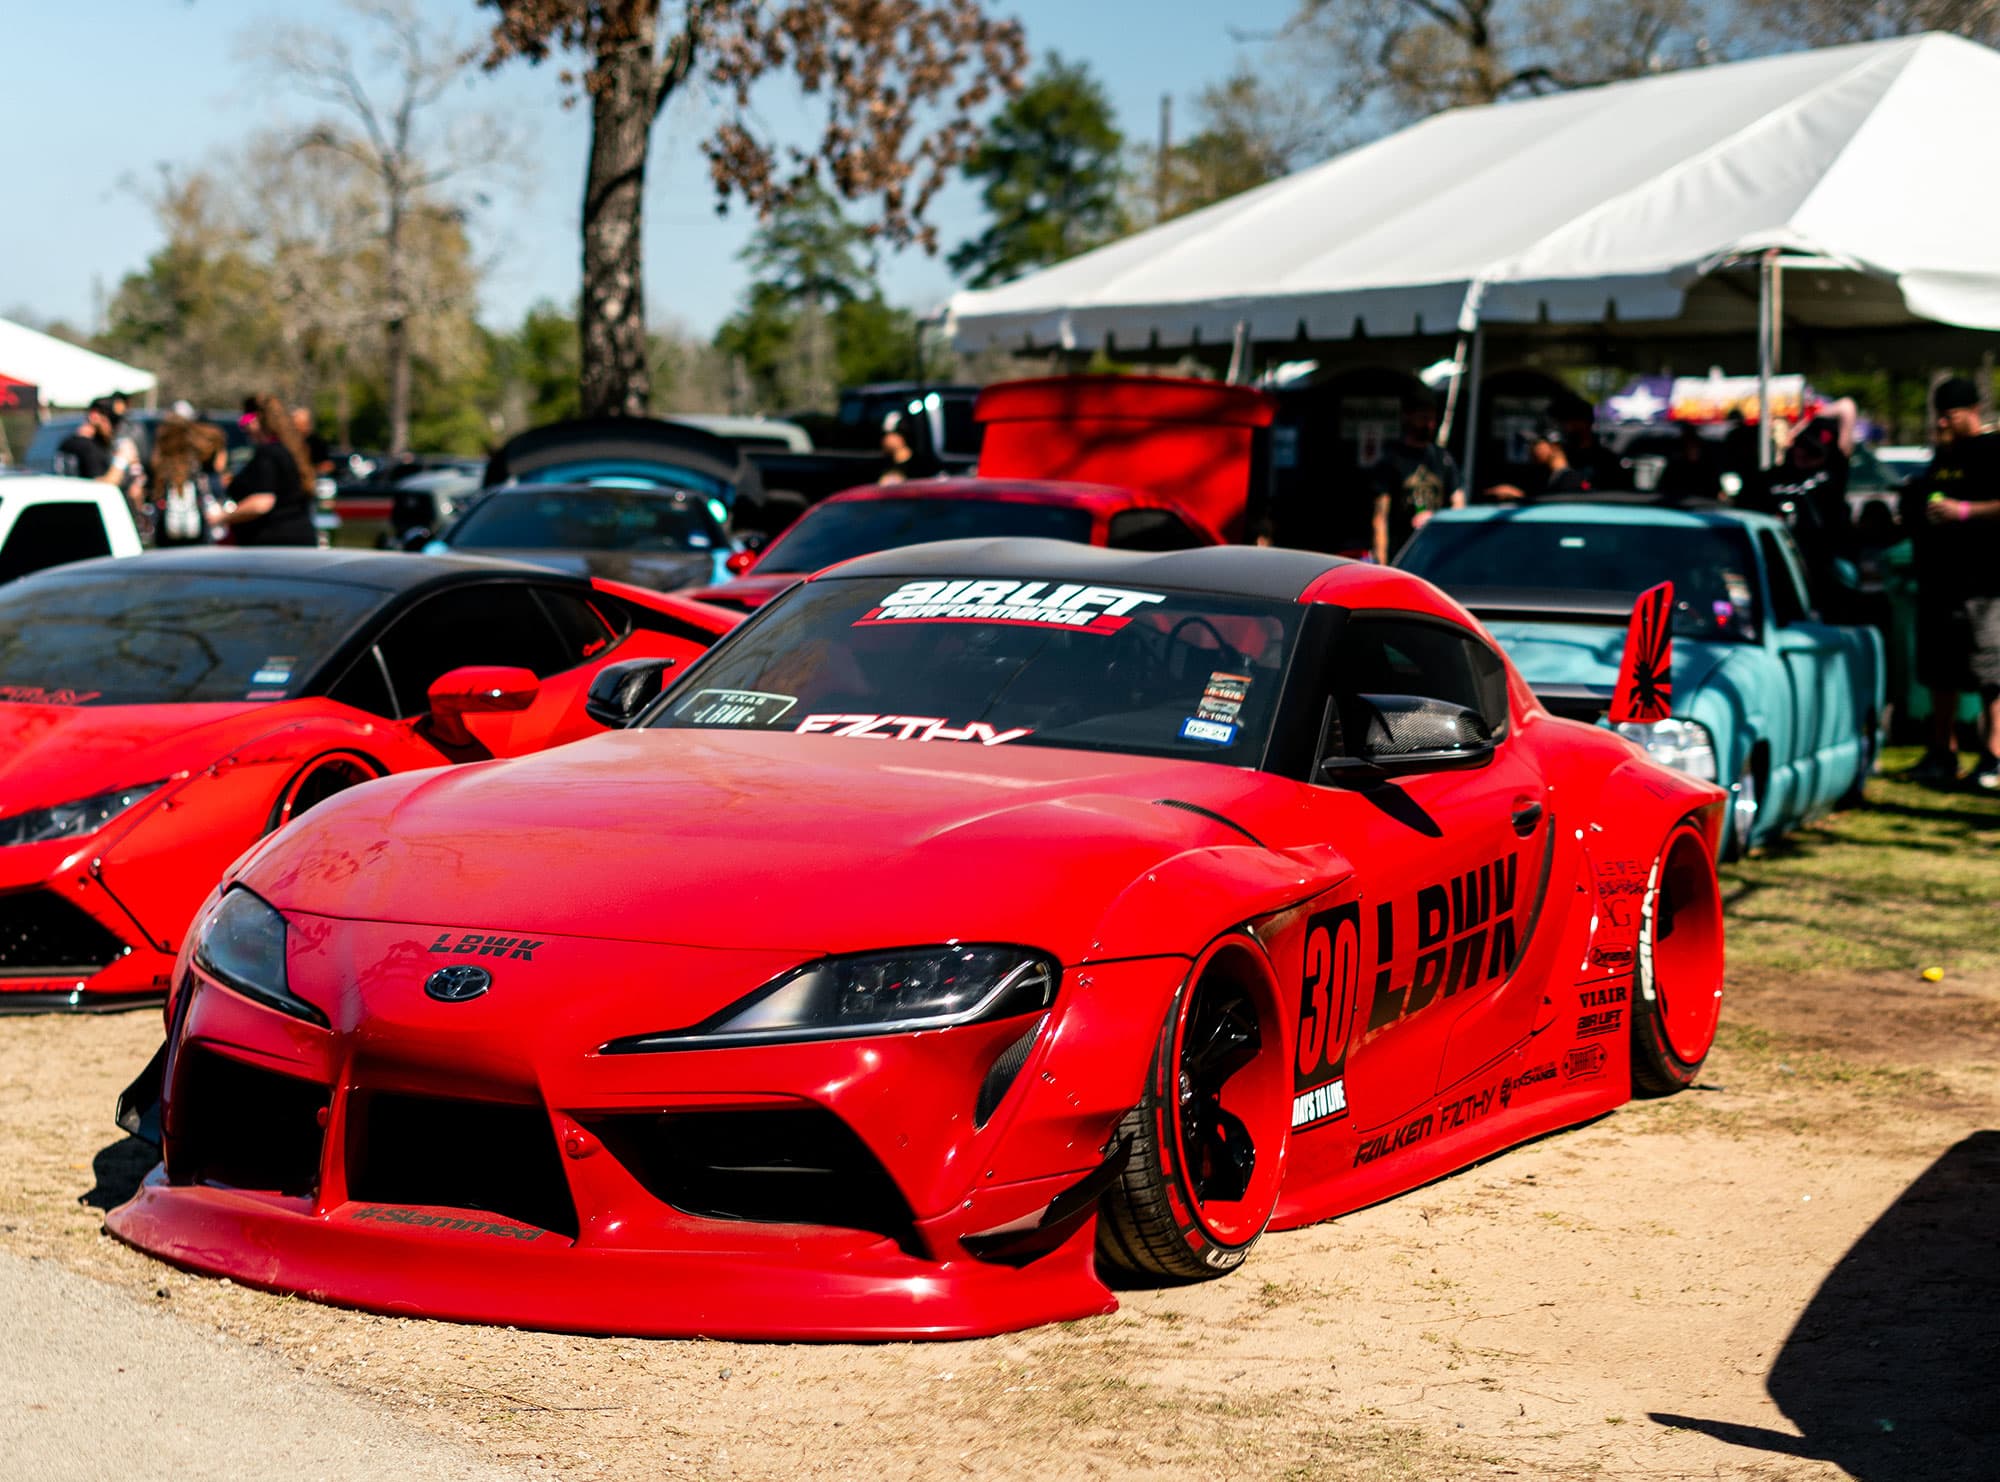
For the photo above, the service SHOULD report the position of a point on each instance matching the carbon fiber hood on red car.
(56, 753)
(735, 839)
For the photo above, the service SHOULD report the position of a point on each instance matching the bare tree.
(1829, 22)
(385, 122)
(901, 79)
(1393, 61)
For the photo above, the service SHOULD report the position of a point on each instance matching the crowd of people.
(1950, 514)
(186, 493)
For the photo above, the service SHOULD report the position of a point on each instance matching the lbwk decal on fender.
(1033, 604)
(1466, 934)
(1328, 989)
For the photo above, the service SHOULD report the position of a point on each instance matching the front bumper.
(68, 942)
(437, 1159)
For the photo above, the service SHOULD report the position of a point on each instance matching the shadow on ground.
(120, 1168)
(1890, 1371)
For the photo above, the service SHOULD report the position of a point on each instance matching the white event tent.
(1611, 206)
(67, 375)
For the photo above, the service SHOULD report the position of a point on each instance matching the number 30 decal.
(1328, 987)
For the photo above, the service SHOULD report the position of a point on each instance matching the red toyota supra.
(975, 917)
(158, 714)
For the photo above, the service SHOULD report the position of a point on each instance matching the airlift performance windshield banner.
(1026, 604)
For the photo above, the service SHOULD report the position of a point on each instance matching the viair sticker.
(1032, 604)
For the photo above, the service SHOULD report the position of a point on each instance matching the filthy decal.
(908, 728)
(1031, 604)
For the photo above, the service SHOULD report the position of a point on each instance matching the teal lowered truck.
(1768, 700)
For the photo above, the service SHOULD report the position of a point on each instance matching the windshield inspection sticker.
(1027, 604)
(1214, 732)
(908, 728)
(1222, 699)
(734, 708)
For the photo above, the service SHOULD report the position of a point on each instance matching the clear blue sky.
(171, 87)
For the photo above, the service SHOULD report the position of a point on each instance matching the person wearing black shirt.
(1808, 491)
(1549, 471)
(1595, 464)
(1412, 480)
(1952, 512)
(89, 447)
(1691, 472)
(270, 500)
(318, 454)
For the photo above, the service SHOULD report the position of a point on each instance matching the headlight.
(72, 820)
(1680, 744)
(241, 944)
(872, 993)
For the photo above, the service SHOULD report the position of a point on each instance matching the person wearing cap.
(87, 450)
(1413, 479)
(1952, 512)
(1549, 470)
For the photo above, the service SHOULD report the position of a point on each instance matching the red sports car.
(883, 517)
(975, 915)
(158, 714)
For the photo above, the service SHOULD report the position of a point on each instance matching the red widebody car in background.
(975, 917)
(883, 517)
(161, 713)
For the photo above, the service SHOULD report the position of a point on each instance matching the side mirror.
(415, 538)
(622, 690)
(740, 561)
(478, 689)
(1406, 733)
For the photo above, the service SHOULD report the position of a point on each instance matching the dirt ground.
(1788, 1272)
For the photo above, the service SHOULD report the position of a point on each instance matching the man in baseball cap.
(1953, 515)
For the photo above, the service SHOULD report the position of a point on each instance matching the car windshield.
(840, 532)
(588, 520)
(160, 638)
(1014, 661)
(1711, 566)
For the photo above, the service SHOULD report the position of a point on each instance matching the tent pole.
(1239, 354)
(1770, 320)
(1473, 369)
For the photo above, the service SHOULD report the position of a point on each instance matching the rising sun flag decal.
(1645, 674)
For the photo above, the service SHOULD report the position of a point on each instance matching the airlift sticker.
(1029, 604)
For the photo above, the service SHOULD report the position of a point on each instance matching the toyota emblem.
(458, 983)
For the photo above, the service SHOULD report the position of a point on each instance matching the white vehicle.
(749, 432)
(46, 521)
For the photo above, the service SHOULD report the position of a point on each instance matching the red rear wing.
(1188, 441)
(1646, 672)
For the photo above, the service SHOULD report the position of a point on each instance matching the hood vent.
(1210, 815)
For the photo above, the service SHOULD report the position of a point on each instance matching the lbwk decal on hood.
(1031, 604)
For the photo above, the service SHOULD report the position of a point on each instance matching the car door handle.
(1527, 818)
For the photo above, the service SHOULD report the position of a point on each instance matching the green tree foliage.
(1049, 169)
(814, 320)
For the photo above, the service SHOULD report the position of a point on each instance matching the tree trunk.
(611, 321)
(398, 329)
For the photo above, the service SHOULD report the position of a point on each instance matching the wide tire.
(1207, 1141)
(1677, 981)
(319, 779)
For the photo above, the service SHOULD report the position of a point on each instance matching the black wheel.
(1677, 980)
(1746, 796)
(318, 780)
(1206, 1142)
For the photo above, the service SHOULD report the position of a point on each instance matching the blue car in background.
(1778, 706)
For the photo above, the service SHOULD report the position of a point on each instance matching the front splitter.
(459, 1267)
